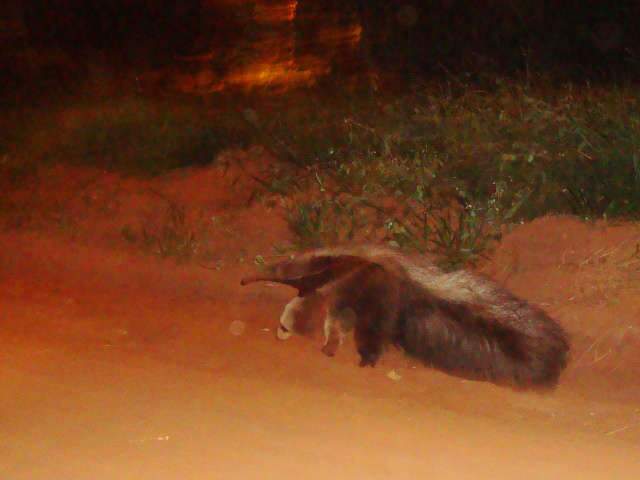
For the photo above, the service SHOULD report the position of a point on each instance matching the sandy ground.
(117, 364)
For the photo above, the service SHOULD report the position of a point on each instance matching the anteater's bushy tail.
(461, 339)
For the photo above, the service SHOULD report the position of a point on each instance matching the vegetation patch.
(443, 170)
(174, 233)
(139, 137)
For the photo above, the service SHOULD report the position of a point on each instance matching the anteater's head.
(308, 271)
(301, 315)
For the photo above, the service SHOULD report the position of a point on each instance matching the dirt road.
(122, 366)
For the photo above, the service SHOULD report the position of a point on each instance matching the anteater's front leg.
(301, 316)
(287, 323)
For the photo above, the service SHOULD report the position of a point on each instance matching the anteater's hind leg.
(369, 341)
(375, 327)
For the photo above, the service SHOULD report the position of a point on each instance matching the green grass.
(458, 166)
(136, 136)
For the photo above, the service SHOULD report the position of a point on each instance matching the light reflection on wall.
(269, 55)
(275, 12)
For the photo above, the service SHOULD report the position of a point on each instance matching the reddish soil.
(118, 364)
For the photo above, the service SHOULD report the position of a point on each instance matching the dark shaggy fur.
(457, 322)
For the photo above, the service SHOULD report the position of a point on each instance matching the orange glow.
(273, 74)
(284, 12)
(336, 36)
(275, 60)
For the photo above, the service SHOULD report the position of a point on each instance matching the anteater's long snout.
(298, 283)
(252, 279)
(264, 278)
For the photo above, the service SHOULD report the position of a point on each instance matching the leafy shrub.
(455, 168)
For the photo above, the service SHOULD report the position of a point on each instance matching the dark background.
(57, 42)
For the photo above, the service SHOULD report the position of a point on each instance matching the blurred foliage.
(141, 137)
